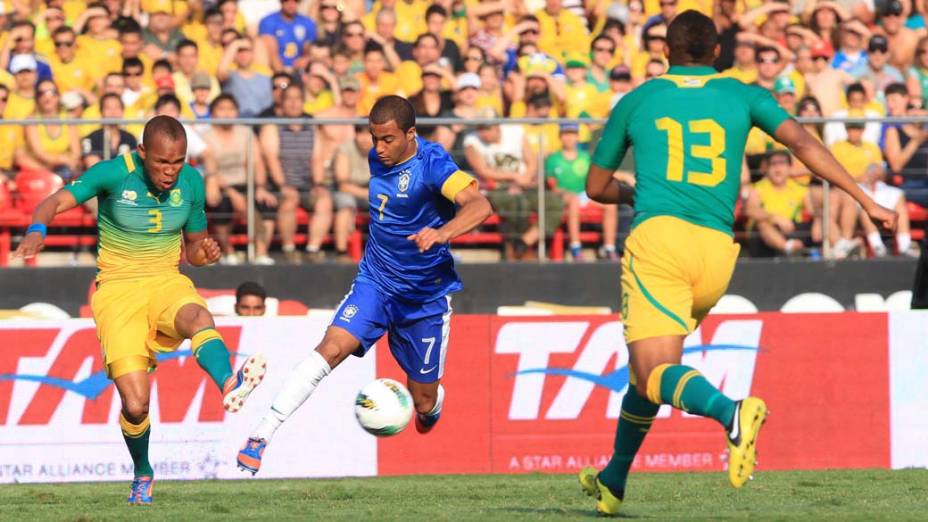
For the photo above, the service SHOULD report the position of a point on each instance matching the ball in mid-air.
(383, 407)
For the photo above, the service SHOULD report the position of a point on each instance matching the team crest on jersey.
(176, 199)
(349, 312)
(299, 32)
(403, 183)
(129, 195)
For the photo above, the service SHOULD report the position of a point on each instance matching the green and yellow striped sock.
(212, 355)
(634, 423)
(136, 437)
(685, 388)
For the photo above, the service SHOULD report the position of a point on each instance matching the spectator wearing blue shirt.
(21, 41)
(251, 89)
(287, 35)
(851, 56)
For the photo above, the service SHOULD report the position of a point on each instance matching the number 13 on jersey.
(677, 151)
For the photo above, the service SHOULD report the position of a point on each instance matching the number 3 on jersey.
(156, 221)
(676, 153)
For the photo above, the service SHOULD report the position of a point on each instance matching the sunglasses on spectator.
(63, 43)
(352, 35)
(328, 6)
(245, 49)
(529, 31)
(651, 37)
(604, 49)
(768, 61)
(877, 49)
(668, 4)
(47, 92)
(132, 73)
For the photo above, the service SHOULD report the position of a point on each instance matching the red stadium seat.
(6, 199)
(916, 212)
(32, 186)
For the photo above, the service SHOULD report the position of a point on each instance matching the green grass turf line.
(805, 495)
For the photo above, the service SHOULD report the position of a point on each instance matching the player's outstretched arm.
(824, 165)
(474, 209)
(603, 187)
(44, 214)
(201, 249)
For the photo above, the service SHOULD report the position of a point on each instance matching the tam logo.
(47, 369)
(727, 361)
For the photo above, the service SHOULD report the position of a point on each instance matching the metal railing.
(432, 122)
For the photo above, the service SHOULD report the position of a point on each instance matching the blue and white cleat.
(249, 457)
(239, 386)
(425, 423)
(140, 494)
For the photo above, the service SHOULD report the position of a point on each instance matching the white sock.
(874, 240)
(299, 386)
(903, 242)
(438, 402)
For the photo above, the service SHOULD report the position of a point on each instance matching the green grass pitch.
(810, 495)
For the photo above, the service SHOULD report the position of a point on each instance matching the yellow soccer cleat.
(606, 503)
(742, 440)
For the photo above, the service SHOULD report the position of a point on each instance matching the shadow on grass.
(585, 513)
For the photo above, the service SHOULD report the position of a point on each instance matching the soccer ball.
(383, 407)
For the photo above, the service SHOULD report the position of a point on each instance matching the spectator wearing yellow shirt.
(544, 137)
(775, 206)
(581, 98)
(188, 64)
(410, 17)
(425, 52)
(320, 89)
(375, 80)
(47, 22)
(489, 92)
(71, 71)
(562, 32)
(54, 147)
(745, 67)
(536, 76)
(854, 154)
(97, 41)
(11, 140)
(602, 51)
(21, 103)
(209, 41)
(130, 42)
(653, 43)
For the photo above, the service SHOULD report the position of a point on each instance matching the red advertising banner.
(543, 395)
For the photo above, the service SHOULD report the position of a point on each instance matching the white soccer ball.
(383, 407)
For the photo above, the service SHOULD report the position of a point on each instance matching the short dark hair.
(129, 63)
(111, 95)
(372, 47)
(211, 12)
(395, 108)
(167, 99)
(24, 23)
(855, 87)
(163, 127)
(426, 36)
(250, 288)
(896, 88)
(280, 74)
(223, 96)
(692, 38)
(186, 42)
(126, 25)
(766, 49)
(436, 9)
(785, 153)
(162, 62)
(63, 30)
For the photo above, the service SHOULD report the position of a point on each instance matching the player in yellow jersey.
(688, 129)
(149, 202)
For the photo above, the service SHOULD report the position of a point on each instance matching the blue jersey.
(404, 199)
(292, 36)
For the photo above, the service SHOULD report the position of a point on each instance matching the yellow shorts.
(673, 273)
(135, 319)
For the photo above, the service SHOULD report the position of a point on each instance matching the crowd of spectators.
(210, 60)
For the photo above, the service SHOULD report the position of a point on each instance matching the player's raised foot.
(140, 494)
(246, 379)
(425, 423)
(607, 502)
(249, 457)
(750, 415)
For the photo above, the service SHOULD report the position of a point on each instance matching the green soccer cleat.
(606, 502)
(742, 440)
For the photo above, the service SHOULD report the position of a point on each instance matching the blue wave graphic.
(617, 380)
(91, 387)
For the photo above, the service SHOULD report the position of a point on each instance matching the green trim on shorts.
(651, 299)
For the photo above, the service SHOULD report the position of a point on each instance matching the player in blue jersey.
(406, 277)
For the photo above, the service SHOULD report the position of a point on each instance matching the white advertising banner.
(59, 415)
(908, 380)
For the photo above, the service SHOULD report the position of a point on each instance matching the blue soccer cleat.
(140, 494)
(239, 386)
(425, 423)
(249, 457)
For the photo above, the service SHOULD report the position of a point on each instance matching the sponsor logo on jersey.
(129, 195)
(176, 199)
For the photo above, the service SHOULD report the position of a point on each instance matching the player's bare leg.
(134, 392)
(335, 347)
(428, 399)
(196, 323)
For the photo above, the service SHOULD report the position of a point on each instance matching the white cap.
(468, 80)
(23, 62)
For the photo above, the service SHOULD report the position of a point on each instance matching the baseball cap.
(617, 12)
(200, 80)
(468, 81)
(576, 62)
(878, 42)
(569, 127)
(23, 62)
(349, 83)
(784, 84)
(620, 73)
(537, 64)
(893, 8)
(164, 82)
(820, 51)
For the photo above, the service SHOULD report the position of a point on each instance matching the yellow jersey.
(856, 158)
